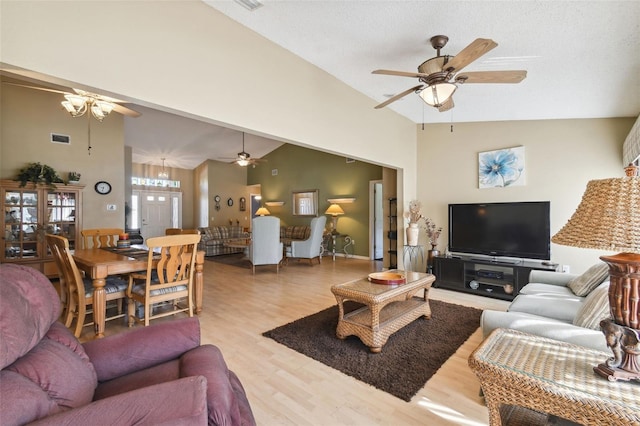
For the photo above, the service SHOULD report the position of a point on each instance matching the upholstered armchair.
(312, 246)
(265, 247)
(155, 375)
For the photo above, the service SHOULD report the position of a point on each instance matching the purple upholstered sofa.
(157, 375)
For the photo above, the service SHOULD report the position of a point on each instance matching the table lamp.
(334, 210)
(262, 211)
(608, 218)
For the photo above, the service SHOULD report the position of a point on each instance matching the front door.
(158, 212)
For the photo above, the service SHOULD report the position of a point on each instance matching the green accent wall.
(300, 168)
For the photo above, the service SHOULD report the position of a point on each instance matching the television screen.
(519, 229)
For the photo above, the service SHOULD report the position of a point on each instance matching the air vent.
(250, 4)
(58, 138)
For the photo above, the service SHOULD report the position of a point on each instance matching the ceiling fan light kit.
(438, 75)
(436, 95)
(77, 106)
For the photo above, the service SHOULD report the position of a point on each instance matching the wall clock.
(230, 202)
(103, 187)
(217, 200)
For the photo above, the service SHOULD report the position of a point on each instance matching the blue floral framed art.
(501, 168)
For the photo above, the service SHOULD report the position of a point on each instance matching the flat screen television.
(519, 229)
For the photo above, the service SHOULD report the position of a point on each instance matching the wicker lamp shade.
(608, 217)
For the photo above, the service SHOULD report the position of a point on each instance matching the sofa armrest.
(182, 401)
(550, 277)
(124, 353)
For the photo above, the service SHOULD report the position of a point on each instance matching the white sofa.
(548, 307)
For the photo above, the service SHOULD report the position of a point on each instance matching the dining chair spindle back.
(169, 278)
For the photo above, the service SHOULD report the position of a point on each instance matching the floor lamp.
(608, 218)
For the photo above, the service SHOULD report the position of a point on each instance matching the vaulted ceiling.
(582, 57)
(582, 60)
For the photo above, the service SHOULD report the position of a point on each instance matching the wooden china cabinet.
(30, 212)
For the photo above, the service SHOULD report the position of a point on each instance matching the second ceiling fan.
(244, 158)
(440, 76)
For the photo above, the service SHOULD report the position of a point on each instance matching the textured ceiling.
(582, 57)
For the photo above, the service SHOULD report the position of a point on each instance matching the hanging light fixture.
(77, 106)
(164, 174)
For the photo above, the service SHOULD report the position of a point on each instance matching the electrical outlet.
(566, 269)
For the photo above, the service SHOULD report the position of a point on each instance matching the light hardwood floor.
(287, 388)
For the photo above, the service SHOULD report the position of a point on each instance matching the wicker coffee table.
(387, 308)
(554, 377)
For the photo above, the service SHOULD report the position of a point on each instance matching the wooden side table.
(550, 376)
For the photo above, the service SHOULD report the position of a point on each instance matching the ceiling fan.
(78, 102)
(440, 76)
(244, 158)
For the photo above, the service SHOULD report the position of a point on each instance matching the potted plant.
(74, 177)
(38, 173)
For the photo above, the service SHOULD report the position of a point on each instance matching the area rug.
(410, 357)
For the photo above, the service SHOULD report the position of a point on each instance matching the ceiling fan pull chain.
(89, 134)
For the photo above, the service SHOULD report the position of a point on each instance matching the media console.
(485, 277)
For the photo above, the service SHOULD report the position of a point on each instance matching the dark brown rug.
(409, 358)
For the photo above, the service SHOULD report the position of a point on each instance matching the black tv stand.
(497, 261)
(500, 279)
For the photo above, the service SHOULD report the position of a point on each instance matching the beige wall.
(210, 67)
(228, 181)
(28, 119)
(206, 69)
(561, 156)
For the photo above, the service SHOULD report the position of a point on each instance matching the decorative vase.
(412, 234)
(430, 255)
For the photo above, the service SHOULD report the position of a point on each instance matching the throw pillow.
(592, 278)
(594, 309)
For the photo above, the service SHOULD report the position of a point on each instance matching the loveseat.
(149, 376)
(294, 233)
(214, 238)
(560, 306)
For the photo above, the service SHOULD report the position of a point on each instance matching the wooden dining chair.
(180, 231)
(79, 289)
(169, 278)
(100, 237)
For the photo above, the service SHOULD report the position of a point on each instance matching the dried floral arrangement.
(433, 232)
(414, 214)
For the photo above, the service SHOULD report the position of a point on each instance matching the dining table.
(99, 263)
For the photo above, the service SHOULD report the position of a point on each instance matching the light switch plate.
(111, 207)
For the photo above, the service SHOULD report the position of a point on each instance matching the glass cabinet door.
(21, 229)
(61, 215)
